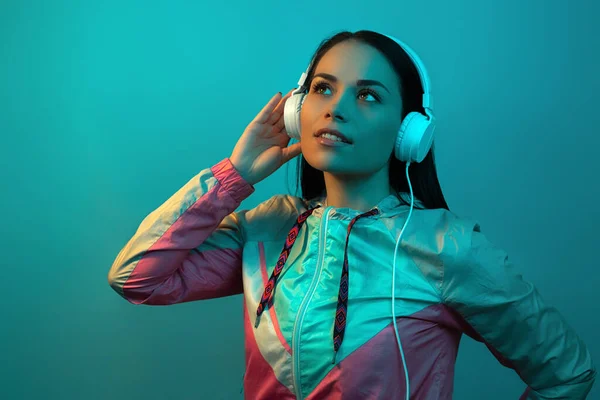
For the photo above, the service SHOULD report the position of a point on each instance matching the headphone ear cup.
(291, 115)
(414, 138)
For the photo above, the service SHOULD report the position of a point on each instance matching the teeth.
(331, 137)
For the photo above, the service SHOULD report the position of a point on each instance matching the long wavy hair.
(424, 179)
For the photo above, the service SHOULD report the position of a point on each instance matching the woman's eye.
(317, 87)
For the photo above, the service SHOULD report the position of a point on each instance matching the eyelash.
(319, 85)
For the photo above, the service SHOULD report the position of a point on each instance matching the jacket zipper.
(302, 310)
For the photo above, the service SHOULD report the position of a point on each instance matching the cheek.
(382, 135)
(376, 149)
(306, 119)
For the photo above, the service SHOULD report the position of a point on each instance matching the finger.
(279, 125)
(267, 110)
(292, 151)
(277, 119)
(279, 110)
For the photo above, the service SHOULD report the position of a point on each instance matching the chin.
(329, 164)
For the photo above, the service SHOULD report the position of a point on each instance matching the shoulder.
(444, 233)
(271, 219)
(466, 256)
(447, 222)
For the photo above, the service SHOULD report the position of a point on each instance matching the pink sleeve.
(189, 248)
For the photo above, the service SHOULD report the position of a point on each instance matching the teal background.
(107, 108)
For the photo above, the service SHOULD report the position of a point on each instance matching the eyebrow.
(360, 82)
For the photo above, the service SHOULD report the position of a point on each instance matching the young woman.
(362, 287)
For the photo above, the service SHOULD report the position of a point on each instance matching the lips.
(333, 132)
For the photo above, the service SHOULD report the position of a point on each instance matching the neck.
(357, 193)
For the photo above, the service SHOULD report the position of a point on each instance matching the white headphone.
(416, 132)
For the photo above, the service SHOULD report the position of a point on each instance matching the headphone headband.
(416, 60)
(427, 103)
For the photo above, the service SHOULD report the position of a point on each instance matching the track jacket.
(316, 285)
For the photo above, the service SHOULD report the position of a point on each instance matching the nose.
(336, 115)
(338, 108)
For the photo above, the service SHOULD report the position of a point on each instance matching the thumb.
(292, 151)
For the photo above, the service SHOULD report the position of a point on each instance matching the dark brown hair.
(423, 175)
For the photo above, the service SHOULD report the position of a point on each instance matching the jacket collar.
(389, 206)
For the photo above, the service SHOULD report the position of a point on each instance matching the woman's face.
(369, 115)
